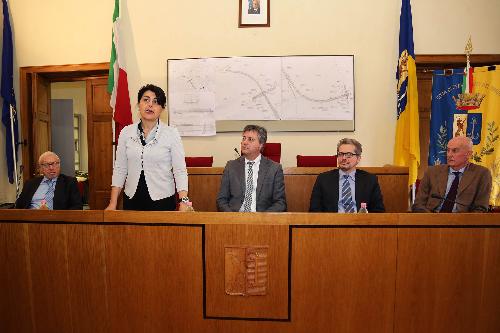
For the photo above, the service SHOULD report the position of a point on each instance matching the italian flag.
(117, 80)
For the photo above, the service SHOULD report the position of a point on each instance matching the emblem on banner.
(402, 81)
(468, 100)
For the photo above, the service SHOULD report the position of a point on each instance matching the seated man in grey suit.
(52, 189)
(344, 189)
(459, 186)
(252, 183)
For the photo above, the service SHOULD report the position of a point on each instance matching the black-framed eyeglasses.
(347, 155)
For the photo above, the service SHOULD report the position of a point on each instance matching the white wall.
(56, 32)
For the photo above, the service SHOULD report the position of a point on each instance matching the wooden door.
(100, 142)
(34, 84)
(41, 130)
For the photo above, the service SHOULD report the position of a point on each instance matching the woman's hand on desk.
(186, 207)
(111, 206)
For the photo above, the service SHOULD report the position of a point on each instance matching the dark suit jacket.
(270, 191)
(473, 190)
(325, 193)
(66, 194)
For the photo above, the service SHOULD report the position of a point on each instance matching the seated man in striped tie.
(252, 182)
(51, 190)
(344, 189)
(458, 186)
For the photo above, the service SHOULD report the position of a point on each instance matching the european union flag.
(7, 92)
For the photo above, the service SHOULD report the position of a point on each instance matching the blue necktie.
(347, 196)
(49, 195)
(247, 202)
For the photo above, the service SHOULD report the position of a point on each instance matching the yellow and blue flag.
(407, 145)
(487, 150)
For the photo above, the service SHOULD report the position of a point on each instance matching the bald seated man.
(456, 187)
(50, 190)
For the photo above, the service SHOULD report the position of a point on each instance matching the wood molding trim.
(440, 60)
(66, 68)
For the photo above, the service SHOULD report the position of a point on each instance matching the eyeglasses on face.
(248, 138)
(48, 165)
(346, 155)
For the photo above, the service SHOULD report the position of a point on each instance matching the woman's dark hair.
(160, 94)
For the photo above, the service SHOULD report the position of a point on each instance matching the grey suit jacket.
(473, 190)
(270, 192)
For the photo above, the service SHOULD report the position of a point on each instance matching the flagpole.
(13, 140)
(113, 125)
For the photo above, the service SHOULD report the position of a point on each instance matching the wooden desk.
(96, 271)
(204, 184)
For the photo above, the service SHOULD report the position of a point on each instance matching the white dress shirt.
(162, 160)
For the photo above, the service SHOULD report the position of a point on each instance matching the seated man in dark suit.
(459, 186)
(344, 189)
(252, 183)
(51, 190)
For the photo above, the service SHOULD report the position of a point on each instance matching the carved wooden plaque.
(246, 270)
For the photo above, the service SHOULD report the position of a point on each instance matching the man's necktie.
(247, 203)
(49, 195)
(452, 195)
(347, 196)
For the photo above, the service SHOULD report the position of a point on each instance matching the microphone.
(437, 196)
(237, 152)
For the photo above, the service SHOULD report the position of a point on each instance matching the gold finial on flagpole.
(468, 50)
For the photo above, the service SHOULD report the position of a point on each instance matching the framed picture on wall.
(254, 13)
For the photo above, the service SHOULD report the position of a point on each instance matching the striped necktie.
(347, 196)
(247, 203)
(49, 195)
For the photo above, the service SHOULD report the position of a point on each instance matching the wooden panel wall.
(155, 272)
(446, 283)
(154, 278)
(15, 282)
(273, 305)
(204, 184)
(353, 271)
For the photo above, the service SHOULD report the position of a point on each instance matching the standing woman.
(149, 157)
